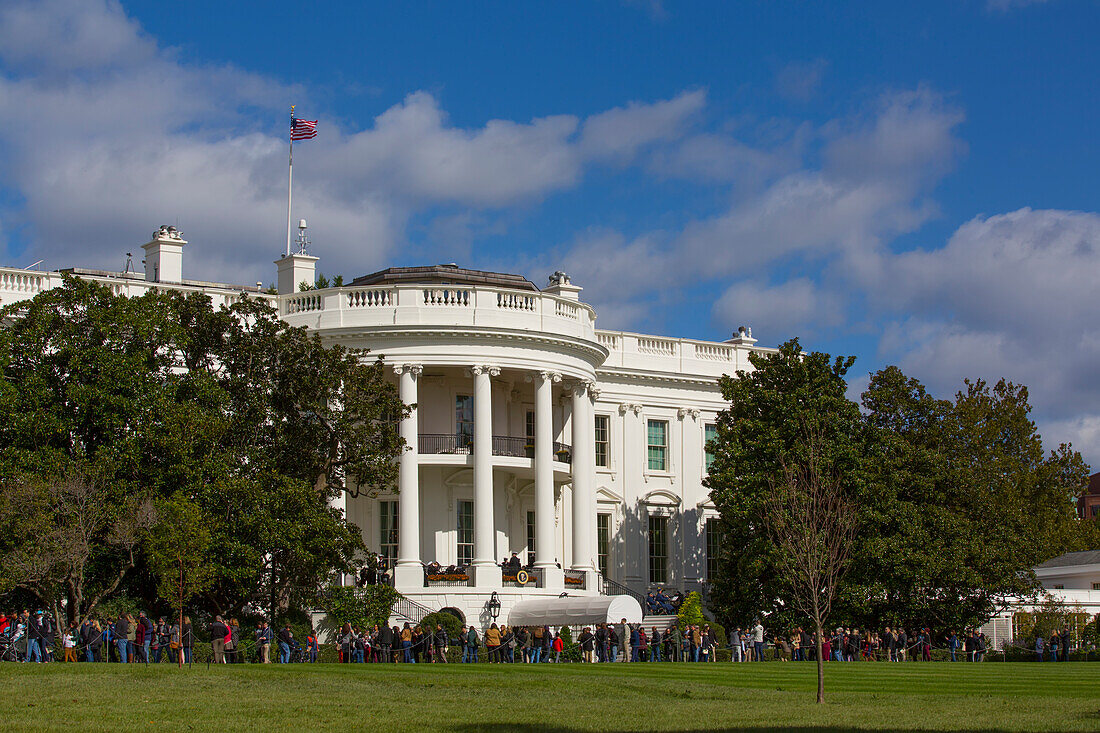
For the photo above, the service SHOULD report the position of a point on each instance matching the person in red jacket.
(558, 646)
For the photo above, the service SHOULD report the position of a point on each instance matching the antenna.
(303, 240)
(129, 267)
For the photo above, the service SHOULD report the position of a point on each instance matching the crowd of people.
(128, 639)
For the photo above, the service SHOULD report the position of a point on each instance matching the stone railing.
(428, 305)
(641, 352)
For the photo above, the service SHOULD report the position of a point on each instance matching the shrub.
(448, 621)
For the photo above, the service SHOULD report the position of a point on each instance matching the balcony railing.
(503, 445)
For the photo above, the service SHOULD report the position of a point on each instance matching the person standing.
(675, 638)
(1038, 647)
(440, 644)
(263, 642)
(470, 654)
(285, 639)
(624, 639)
(147, 637)
(163, 639)
(757, 641)
(218, 632)
(558, 646)
(588, 643)
(655, 645)
(953, 645)
(68, 642)
(122, 638)
(187, 639)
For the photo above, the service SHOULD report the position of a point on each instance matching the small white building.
(582, 450)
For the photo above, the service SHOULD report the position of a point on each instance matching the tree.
(812, 525)
(69, 537)
(964, 505)
(178, 552)
(360, 607)
(771, 409)
(259, 424)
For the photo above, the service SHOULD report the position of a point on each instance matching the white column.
(545, 545)
(409, 571)
(486, 571)
(584, 478)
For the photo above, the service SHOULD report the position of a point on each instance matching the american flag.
(302, 129)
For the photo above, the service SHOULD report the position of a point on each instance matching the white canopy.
(575, 611)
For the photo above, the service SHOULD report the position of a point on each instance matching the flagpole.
(290, 181)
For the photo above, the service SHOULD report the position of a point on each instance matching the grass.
(573, 697)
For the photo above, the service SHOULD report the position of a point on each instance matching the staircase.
(411, 611)
(663, 622)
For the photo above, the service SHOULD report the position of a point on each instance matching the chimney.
(743, 337)
(164, 256)
(561, 287)
(295, 269)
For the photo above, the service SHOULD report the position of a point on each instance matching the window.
(1059, 586)
(658, 549)
(657, 444)
(387, 526)
(530, 538)
(1094, 511)
(714, 544)
(465, 532)
(1096, 586)
(603, 440)
(710, 432)
(464, 420)
(529, 434)
(603, 541)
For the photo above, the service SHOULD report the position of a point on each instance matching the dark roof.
(1088, 557)
(444, 275)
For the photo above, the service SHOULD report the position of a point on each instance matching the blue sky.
(911, 183)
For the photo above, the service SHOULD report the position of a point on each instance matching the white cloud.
(782, 310)
(97, 114)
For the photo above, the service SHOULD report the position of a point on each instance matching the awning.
(575, 611)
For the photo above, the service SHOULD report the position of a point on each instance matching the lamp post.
(494, 606)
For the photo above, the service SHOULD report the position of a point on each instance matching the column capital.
(414, 369)
(492, 371)
(626, 407)
(686, 411)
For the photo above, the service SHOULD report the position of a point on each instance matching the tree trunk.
(820, 665)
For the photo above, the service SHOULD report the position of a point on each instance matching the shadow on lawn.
(512, 728)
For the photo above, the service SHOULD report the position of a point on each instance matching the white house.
(580, 449)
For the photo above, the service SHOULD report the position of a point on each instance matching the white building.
(580, 449)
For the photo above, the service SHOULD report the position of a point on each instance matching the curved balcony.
(411, 306)
(503, 445)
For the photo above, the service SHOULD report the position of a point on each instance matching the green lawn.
(570, 697)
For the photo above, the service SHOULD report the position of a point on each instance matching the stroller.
(13, 646)
(297, 652)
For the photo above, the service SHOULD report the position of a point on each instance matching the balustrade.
(503, 445)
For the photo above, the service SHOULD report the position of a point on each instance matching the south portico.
(515, 448)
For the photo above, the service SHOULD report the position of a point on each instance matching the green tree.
(771, 407)
(178, 551)
(259, 424)
(964, 505)
(360, 607)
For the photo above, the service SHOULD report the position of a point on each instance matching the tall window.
(710, 432)
(465, 532)
(603, 541)
(714, 544)
(464, 419)
(657, 445)
(387, 531)
(530, 538)
(658, 549)
(603, 440)
(529, 433)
